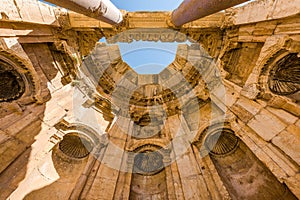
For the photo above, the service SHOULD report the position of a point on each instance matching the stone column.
(211, 177)
(81, 182)
(106, 178)
(190, 10)
(124, 180)
(169, 177)
(102, 10)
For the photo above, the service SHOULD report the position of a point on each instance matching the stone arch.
(77, 141)
(137, 146)
(71, 158)
(280, 75)
(81, 129)
(199, 140)
(149, 176)
(272, 65)
(21, 82)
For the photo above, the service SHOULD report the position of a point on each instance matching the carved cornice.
(67, 58)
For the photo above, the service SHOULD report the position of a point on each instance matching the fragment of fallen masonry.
(219, 122)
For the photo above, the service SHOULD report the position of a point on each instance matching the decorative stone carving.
(75, 145)
(211, 40)
(148, 162)
(236, 56)
(284, 78)
(278, 53)
(163, 35)
(81, 130)
(17, 80)
(87, 40)
(221, 142)
(12, 85)
(67, 60)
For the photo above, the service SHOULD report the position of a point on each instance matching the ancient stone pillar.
(103, 10)
(190, 10)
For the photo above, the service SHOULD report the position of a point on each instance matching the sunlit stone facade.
(219, 122)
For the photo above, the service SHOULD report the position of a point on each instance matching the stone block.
(48, 14)
(289, 143)
(280, 159)
(293, 129)
(249, 105)
(241, 113)
(293, 184)
(283, 115)
(29, 11)
(292, 108)
(3, 137)
(266, 9)
(266, 125)
(298, 123)
(9, 10)
(28, 133)
(231, 98)
(9, 151)
(19, 125)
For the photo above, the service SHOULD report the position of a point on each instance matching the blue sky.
(149, 5)
(148, 57)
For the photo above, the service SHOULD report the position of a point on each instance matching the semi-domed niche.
(12, 85)
(149, 177)
(148, 163)
(75, 145)
(243, 174)
(221, 142)
(284, 77)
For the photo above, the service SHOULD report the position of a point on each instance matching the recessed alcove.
(12, 85)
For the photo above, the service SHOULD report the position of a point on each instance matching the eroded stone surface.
(53, 82)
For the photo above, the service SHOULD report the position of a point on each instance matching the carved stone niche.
(280, 71)
(222, 143)
(77, 142)
(149, 175)
(280, 76)
(16, 81)
(284, 77)
(148, 162)
(239, 60)
(242, 173)
(75, 145)
(12, 85)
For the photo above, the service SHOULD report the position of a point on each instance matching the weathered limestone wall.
(22, 119)
(45, 45)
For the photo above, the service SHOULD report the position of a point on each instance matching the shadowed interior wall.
(149, 177)
(244, 176)
(149, 186)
